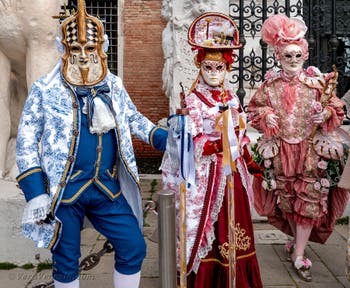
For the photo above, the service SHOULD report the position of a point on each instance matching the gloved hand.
(271, 120)
(253, 168)
(211, 147)
(37, 210)
(319, 118)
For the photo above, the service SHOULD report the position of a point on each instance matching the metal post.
(166, 244)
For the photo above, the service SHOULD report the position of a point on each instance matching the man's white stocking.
(73, 284)
(129, 281)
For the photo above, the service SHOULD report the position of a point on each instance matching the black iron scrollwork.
(328, 36)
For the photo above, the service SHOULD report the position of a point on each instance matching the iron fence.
(328, 37)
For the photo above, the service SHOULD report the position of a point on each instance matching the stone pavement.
(328, 259)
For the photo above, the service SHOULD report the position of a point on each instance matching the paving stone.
(97, 281)
(344, 281)
(279, 249)
(150, 283)
(335, 238)
(89, 236)
(322, 277)
(150, 268)
(259, 225)
(333, 257)
(328, 259)
(271, 270)
(343, 231)
(18, 278)
(152, 249)
(269, 237)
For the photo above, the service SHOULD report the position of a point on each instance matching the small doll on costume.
(214, 36)
(299, 116)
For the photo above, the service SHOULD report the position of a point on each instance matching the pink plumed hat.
(279, 31)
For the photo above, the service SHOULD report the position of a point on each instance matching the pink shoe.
(289, 249)
(302, 266)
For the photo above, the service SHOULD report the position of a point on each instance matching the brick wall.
(143, 63)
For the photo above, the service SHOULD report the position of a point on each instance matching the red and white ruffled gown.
(207, 202)
(290, 191)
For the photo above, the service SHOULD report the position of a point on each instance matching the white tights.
(73, 284)
(120, 281)
(126, 281)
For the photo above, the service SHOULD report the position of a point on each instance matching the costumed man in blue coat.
(75, 156)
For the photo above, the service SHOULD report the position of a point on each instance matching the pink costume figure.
(298, 191)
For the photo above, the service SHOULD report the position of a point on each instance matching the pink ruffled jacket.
(293, 101)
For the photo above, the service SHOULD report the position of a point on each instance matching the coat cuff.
(32, 182)
(158, 138)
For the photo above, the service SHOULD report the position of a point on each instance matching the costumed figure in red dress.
(213, 108)
(302, 148)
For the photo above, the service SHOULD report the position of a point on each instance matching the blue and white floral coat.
(48, 140)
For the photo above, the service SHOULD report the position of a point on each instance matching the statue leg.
(5, 119)
(18, 94)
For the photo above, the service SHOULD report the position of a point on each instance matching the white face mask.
(292, 59)
(84, 64)
(213, 72)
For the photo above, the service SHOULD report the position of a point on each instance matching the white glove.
(319, 118)
(271, 120)
(37, 209)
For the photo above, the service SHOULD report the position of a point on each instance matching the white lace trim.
(242, 170)
(210, 234)
(102, 120)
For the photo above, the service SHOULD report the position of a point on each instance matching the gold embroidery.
(224, 248)
(206, 260)
(292, 125)
(243, 242)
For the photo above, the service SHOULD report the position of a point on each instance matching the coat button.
(71, 158)
(75, 132)
(75, 105)
(62, 183)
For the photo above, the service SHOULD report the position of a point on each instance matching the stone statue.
(177, 54)
(168, 51)
(27, 51)
(194, 9)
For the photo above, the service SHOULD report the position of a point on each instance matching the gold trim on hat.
(81, 21)
(234, 43)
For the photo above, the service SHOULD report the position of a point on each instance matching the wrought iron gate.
(107, 11)
(328, 36)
